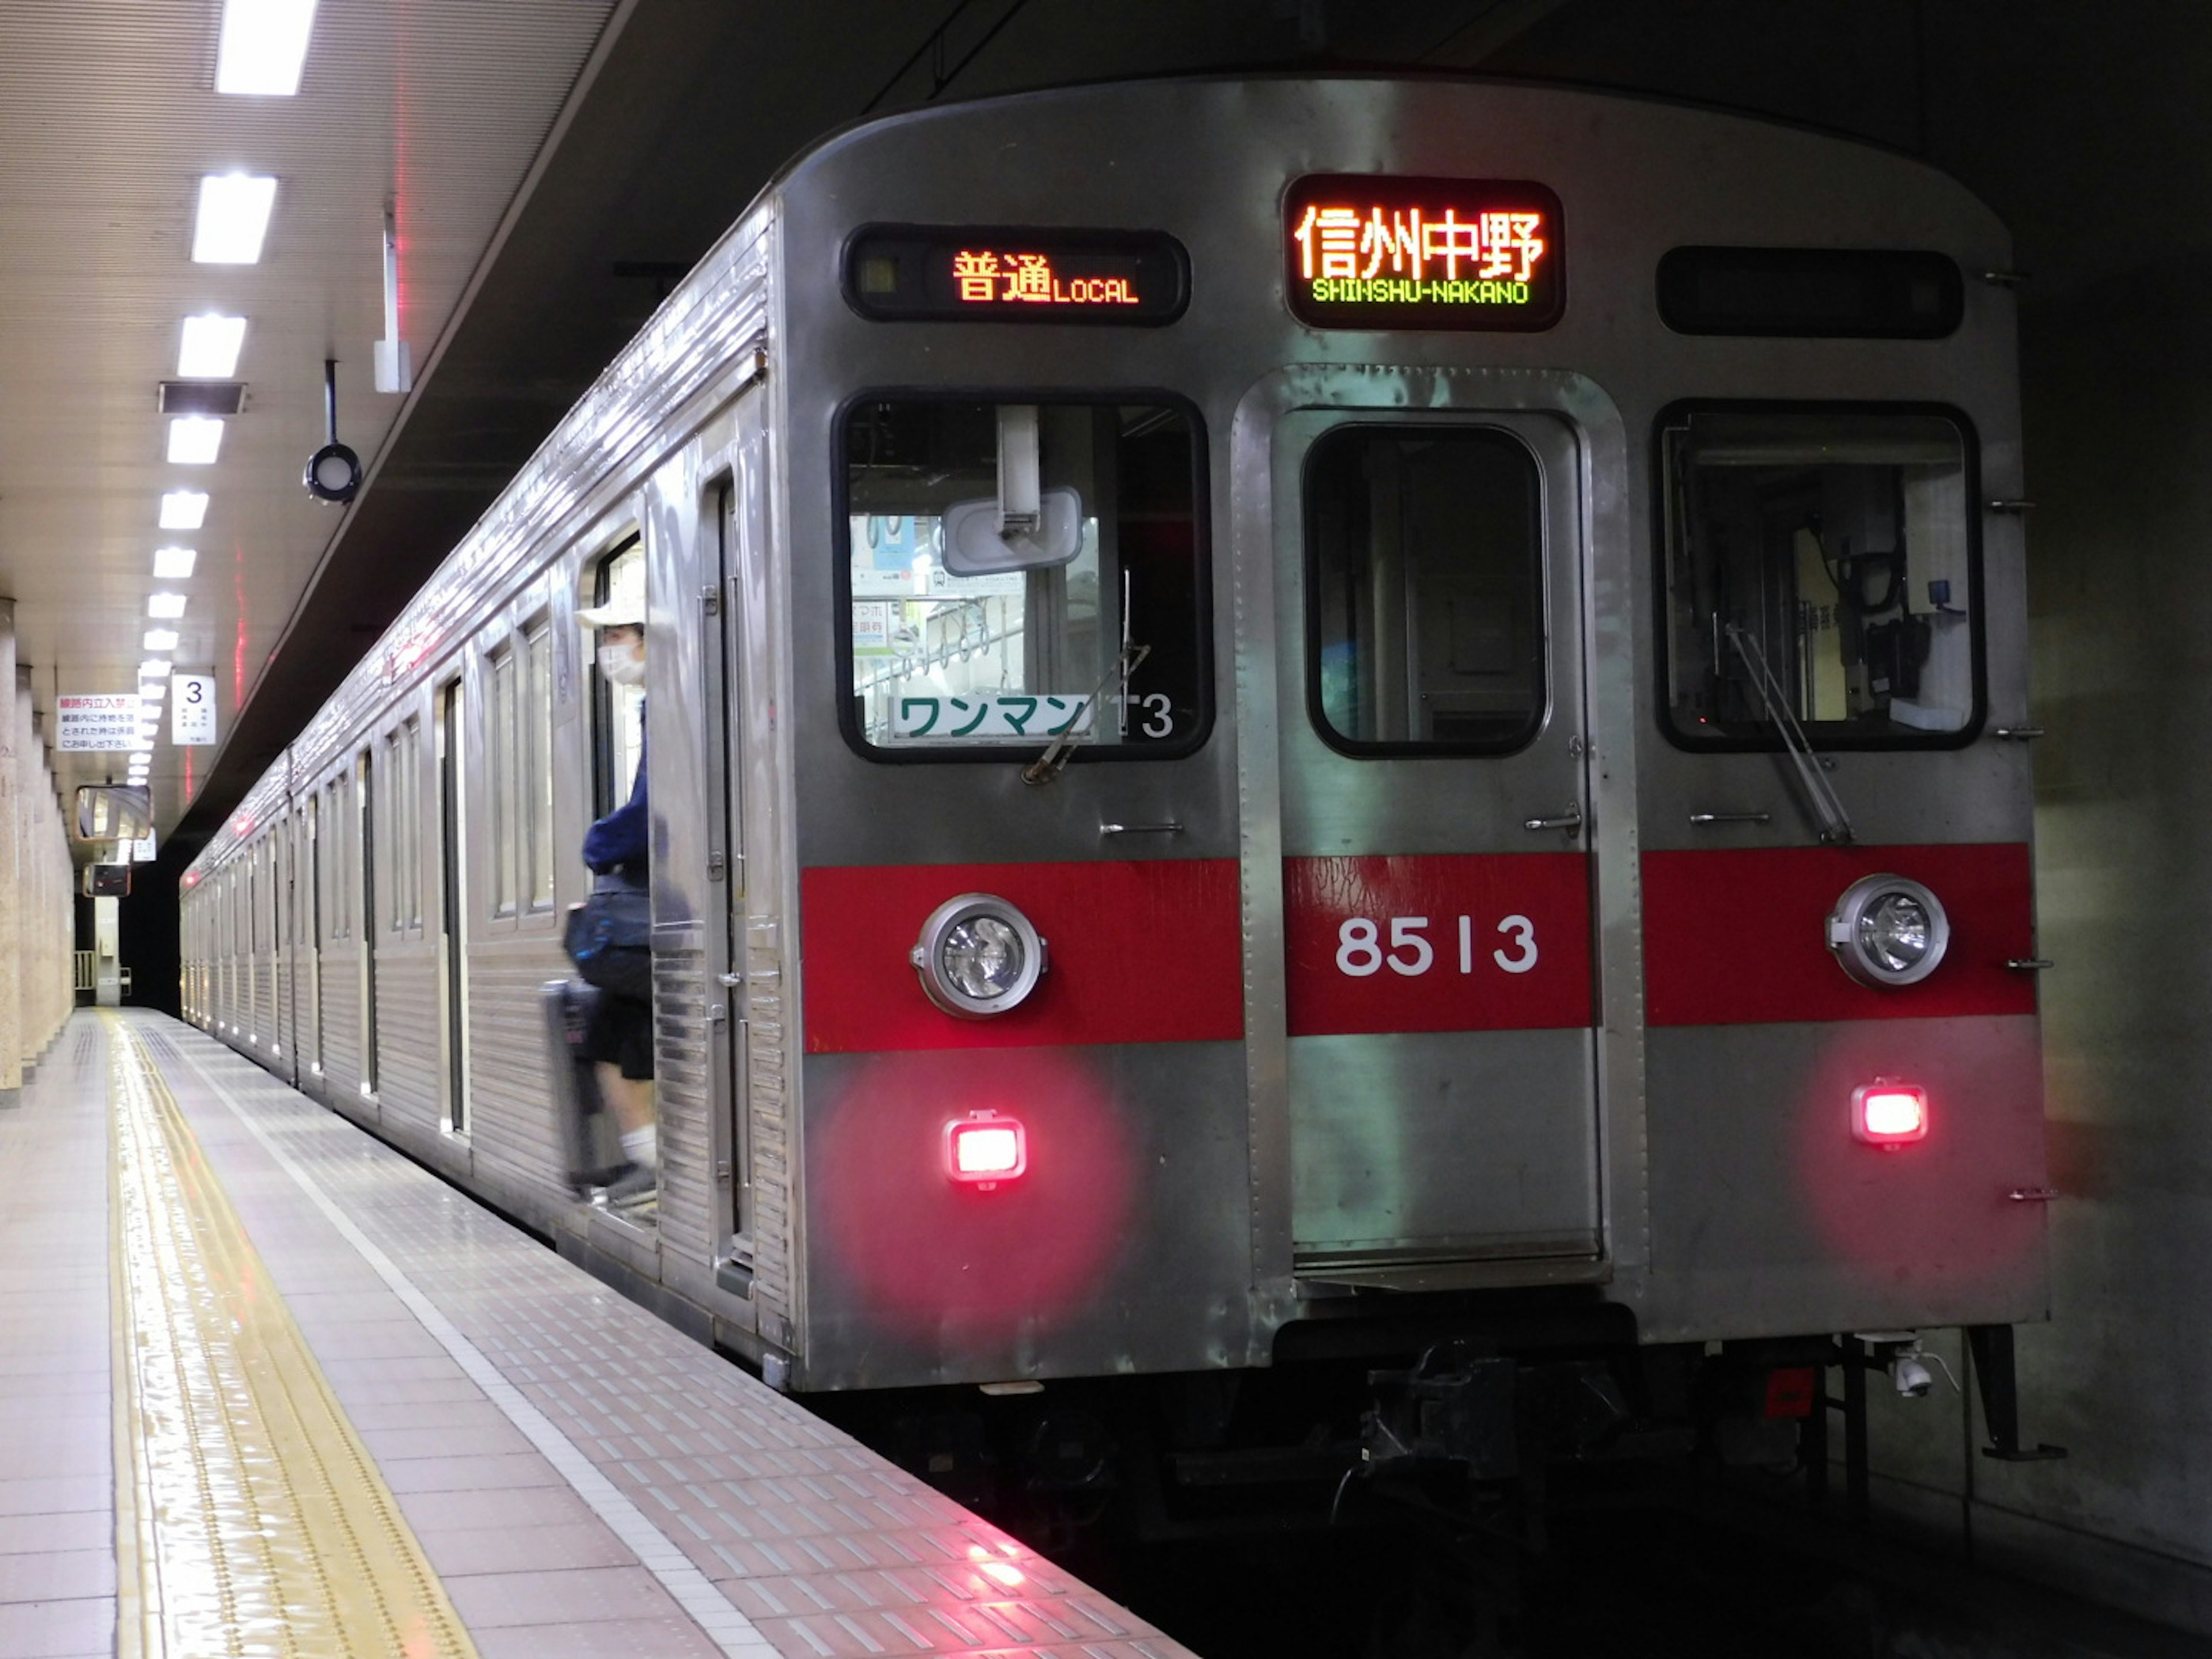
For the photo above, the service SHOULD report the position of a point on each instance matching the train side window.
(506, 829)
(538, 763)
(1015, 572)
(400, 830)
(1821, 566)
(409, 791)
(342, 866)
(1424, 587)
(617, 711)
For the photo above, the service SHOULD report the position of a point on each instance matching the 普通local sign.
(95, 721)
(191, 710)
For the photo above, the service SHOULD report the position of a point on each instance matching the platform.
(267, 1387)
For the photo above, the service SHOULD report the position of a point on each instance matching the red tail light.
(984, 1149)
(1889, 1114)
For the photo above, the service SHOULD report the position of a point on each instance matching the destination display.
(924, 273)
(1373, 251)
(1866, 293)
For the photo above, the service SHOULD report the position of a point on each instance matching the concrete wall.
(2088, 129)
(37, 914)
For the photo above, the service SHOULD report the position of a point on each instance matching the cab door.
(1437, 881)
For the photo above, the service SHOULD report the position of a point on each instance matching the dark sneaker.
(633, 1188)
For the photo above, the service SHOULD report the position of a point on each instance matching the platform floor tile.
(585, 1479)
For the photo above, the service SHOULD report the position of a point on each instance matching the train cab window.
(1821, 569)
(1019, 573)
(1424, 590)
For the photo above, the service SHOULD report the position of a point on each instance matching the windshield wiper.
(1051, 764)
(1835, 823)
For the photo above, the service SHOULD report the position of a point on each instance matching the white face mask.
(625, 662)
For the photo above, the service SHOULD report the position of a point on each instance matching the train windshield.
(1019, 573)
(1821, 569)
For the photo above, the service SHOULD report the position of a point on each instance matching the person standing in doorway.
(617, 850)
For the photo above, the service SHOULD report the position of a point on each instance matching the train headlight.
(978, 955)
(1888, 931)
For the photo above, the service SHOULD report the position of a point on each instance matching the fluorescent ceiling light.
(194, 439)
(153, 668)
(153, 690)
(160, 639)
(210, 347)
(263, 45)
(234, 217)
(182, 509)
(142, 758)
(173, 564)
(168, 605)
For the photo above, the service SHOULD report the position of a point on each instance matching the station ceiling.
(550, 167)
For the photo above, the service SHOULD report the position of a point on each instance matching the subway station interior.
(1419, 785)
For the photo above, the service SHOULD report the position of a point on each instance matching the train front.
(1398, 723)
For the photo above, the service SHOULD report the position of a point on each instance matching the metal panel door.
(1437, 917)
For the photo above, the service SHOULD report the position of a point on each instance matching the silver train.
(1288, 718)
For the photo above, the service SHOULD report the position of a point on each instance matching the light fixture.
(153, 690)
(234, 217)
(1888, 1114)
(1887, 932)
(984, 1149)
(142, 758)
(263, 47)
(210, 347)
(195, 439)
(184, 509)
(154, 668)
(166, 605)
(174, 564)
(977, 956)
(160, 639)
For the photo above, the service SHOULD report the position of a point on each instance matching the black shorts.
(621, 1034)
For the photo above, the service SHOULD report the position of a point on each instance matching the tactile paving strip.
(804, 1543)
(250, 1520)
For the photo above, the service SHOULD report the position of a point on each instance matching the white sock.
(641, 1147)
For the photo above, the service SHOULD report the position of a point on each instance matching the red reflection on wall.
(932, 1257)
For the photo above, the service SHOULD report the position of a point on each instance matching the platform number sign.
(191, 710)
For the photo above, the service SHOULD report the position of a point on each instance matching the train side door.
(1437, 881)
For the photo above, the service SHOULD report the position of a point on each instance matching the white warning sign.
(92, 721)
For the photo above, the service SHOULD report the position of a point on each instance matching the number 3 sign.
(191, 710)
(1443, 943)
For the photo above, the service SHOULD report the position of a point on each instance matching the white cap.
(623, 611)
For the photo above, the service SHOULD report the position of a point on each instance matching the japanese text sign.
(1374, 252)
(1011, 274)
(96, 721)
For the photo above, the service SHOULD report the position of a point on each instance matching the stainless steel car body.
(1667, 1165)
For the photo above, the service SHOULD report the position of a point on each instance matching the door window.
(1425, 590)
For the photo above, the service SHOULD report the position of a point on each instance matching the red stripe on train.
(1739, 938)
(1443, 942)
(1144, 952)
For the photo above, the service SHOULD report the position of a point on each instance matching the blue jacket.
(619, 839)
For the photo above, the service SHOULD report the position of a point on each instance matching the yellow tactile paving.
(250, 1519)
